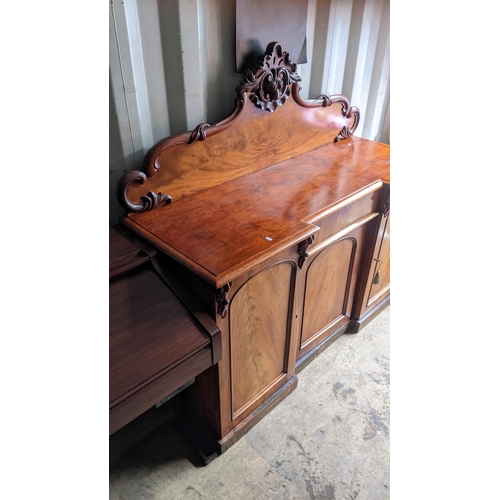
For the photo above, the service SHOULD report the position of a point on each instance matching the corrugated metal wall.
(172, 66)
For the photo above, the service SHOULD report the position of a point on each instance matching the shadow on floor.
(151, 439)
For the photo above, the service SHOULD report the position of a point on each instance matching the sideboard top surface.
(223, 231)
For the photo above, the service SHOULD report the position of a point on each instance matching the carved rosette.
(269, 83)
(147, 202)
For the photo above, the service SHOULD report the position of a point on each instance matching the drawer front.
(345, 216)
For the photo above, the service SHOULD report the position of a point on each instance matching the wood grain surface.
(255, 140)
(270, 217)
(123, 254)
(259, 333)
(327, 288)
(222, 232)
(150, 333)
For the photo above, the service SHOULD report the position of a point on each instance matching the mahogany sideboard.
(276, 220)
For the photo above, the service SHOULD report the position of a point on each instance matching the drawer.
(343, 215)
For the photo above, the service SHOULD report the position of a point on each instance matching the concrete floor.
(328, 440)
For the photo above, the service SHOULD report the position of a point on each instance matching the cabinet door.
(259, 335)
(374, 288)
(259, 344)
(255, 314)
(329, 283)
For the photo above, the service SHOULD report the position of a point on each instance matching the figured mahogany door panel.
(327, 286)
(373, 287)
(381, 278)
(259, 335)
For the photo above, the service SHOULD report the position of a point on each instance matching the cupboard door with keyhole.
(375, 286)
(380, 282)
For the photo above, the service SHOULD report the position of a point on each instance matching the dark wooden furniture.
(159, 339)
(275, 219)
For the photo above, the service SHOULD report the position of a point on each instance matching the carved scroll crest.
(267, 86)
(269, 83)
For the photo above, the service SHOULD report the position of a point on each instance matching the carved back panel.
(271, 123)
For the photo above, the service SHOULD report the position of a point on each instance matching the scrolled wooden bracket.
(303, 253)
(147, 202)
(222, 300)
(347, 132)
(269, 83)
(152, 162)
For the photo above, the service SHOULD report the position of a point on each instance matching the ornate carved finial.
(269, 83)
